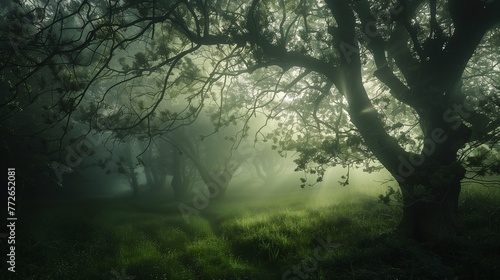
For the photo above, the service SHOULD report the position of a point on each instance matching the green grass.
(249, 238)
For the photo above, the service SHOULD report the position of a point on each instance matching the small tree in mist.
(266, 165)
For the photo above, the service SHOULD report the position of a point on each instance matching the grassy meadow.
(300, 234)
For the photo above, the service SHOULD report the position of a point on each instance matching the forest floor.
(282, 236)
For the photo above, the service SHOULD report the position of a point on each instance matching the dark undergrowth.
(275, 237)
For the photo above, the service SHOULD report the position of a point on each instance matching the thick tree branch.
(350, 83)
(377, 46)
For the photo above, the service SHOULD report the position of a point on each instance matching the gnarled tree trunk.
(429, 181)
(430, 207)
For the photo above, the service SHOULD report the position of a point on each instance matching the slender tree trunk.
(149, 178)
(157, 180)
(134, 185)
(178, 185)
(131, 175)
